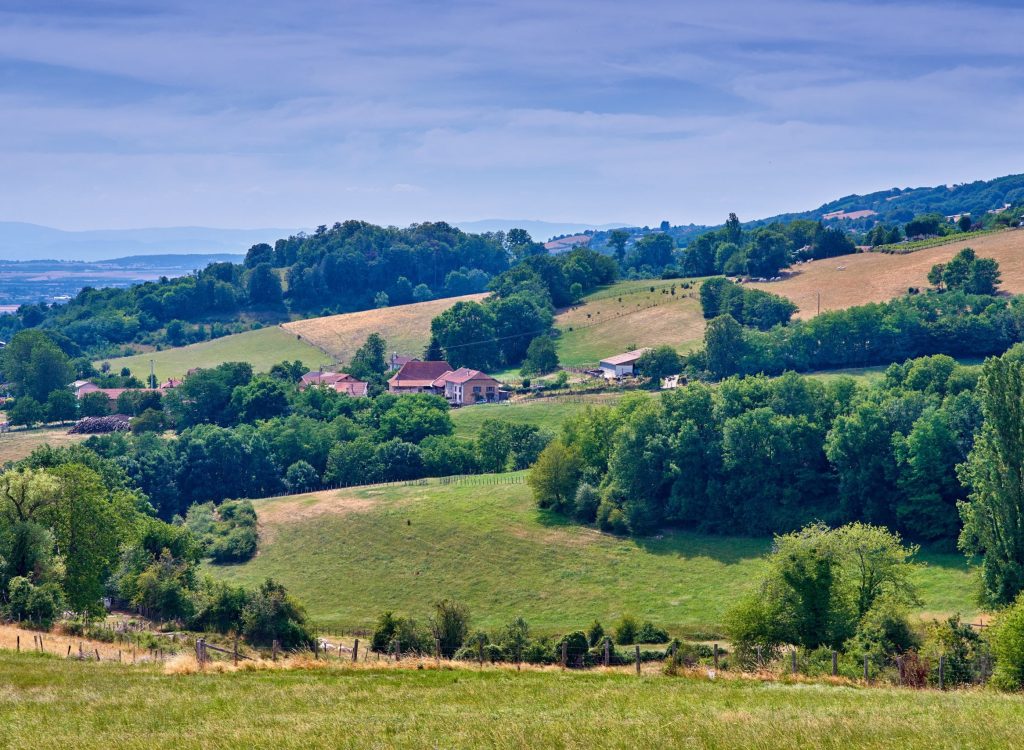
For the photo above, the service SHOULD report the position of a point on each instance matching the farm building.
(397, 360)
(417, 377)
(341, 382)
(465, 386)
(620, 365)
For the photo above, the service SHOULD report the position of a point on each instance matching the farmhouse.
(341, 382)
(417, 377)
(466, 386)
(397, 360)
(621, 364)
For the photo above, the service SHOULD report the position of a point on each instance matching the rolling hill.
(406, 328)
(261, 348)
(350, 554)
(850, 280)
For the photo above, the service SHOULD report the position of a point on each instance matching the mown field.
(19, 443)
(628, 315)
(546, 413)
(261, 349)
(876, 277)
(48, 702)
(351, 554)
(406, 328)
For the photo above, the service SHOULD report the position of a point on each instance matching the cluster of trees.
(954, 323)
(447, 631)
(349, 266)
(758, 455)
(225, 533)
(499, 331)
(966, 272)
(763, 251)
(749, 307)
(74, 530)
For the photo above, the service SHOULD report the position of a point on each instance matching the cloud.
(188, 112)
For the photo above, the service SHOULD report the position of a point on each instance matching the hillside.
(628, 315)
(876, 277)
(261, 348)
(406, 328)
(351, 554)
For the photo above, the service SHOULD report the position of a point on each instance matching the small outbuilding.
(621, 365)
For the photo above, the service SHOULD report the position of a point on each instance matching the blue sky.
(116, 113)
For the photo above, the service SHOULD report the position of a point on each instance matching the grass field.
(17, 444)
(406, 328)
(602, 325)
(546, 413)
(351, 554)
(48, 702)
(877, 277)
(261, 349)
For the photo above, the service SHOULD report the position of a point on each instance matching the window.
(476, 389)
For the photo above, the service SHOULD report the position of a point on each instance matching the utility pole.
(818, 292)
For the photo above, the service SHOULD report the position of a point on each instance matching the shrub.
(586, 503)
(39, 605)
(626, 631)
(1008, 647)
(301, 477)
(595, 635)
(449, 625)
(650, 633)
(271, 614)
(577, 650)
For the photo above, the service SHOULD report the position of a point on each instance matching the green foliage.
(226, 533)
(751, 307)
(38, 605)
(627, 630)
(506, 446)
(271, 614)
(994, 472)
(555, 477)
(967, 273)
(35, 365)
(541, 357)
(26, 411)
(449, 624)
(301, 477)
(61, 406)
(659, 363)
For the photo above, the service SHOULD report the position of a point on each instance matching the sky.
(118, 114)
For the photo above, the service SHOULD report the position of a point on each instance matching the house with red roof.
(466, 386)
(417, 377)
(341, 382)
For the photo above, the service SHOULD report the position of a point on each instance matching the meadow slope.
(351, 554)
(261, 348)
(406, 328)
(877, 277)
(48, 702)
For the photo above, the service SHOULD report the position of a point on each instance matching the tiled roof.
(462, 375)
(416, 374)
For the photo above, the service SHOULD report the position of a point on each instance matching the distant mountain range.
(22, 241)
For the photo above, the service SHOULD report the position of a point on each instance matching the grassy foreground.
(350, 554)
(261, 349)
(52, 703)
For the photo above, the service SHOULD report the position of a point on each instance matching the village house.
(417, 377)
(620, 365)
(397, 360)
(466, 386)
(341, 382)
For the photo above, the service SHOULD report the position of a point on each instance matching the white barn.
(621, 364)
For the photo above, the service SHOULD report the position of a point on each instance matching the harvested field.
(18, 444)
(877, 277)
(406, 328)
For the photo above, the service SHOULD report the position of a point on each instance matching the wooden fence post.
(565, 653)
(866, 676)
(398, 651)
(715, 651)
(274, 647)
(638, 659)
(607, 651)
(235, 654)
(942, 673)
(437, 651)
(19, 644)
(355, 651)
(759, 656)
(792, 654)
(480, 650)
(835, 663)
(69, 650)
(97, 654)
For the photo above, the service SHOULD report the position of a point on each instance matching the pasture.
(406, 328)
(51, 703)
(261, 348)
(19, 443)
(850, 280)
(628, 315)
(546, 413)
(350, 554)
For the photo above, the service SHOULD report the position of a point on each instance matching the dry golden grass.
(406, 328)
(877, 277)
(18, 444)
(57, 644)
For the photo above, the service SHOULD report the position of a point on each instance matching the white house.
(621, 364)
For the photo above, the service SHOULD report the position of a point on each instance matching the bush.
(271, 614)
(595, 635)
(649, 633)
(39, 605)
(301, 477)
(627, 630)
(586, 503)
(392, 629)
(577, 650)
(1008, 647)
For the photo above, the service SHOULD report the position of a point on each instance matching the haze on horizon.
(189, 113)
